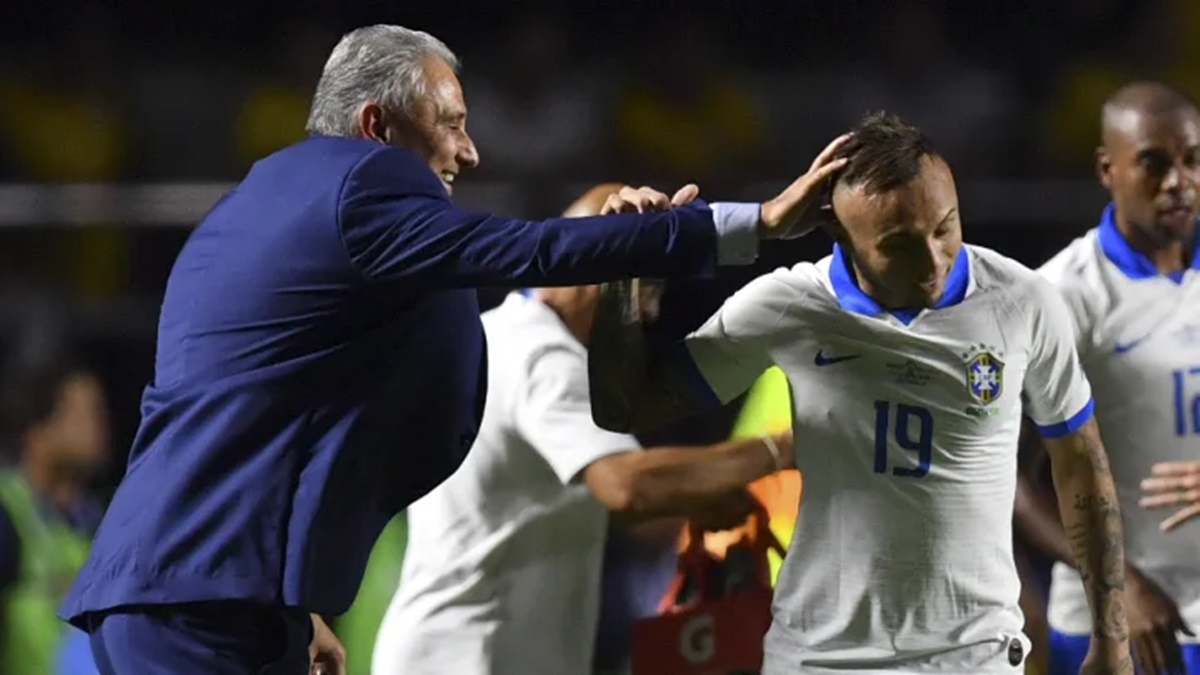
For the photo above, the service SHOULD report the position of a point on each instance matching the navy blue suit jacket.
(321, 364)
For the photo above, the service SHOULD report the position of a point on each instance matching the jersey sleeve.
(1057, 394)
(554, 414)
(730, 351)
(1071, 293)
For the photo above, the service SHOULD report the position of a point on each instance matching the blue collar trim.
(853, 299)
(1132, 263)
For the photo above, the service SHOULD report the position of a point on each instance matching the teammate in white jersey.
(909, 356)
(1132, 285)
(502, 570)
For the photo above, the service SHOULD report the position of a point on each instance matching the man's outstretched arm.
(1092, 521)
(399, 226)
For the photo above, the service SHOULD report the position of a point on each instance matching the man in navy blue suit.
(320, 363)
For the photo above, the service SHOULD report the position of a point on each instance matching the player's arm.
(1058, 400)
(553, 415)
(1091, 519)
(634, 389)
(685, 481)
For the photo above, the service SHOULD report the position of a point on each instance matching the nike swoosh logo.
(821, 360)
(1119, 348)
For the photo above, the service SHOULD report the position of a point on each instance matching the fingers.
(685, 194)
(1171, 482)
(823, 173)
(1176, 469)
(1169, 650)
(1179, 517)
(831, 150)
(1169, 499)
(642, 200)
(1148, 654)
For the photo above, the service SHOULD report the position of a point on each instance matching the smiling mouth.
(447, 180)
(1179, 211)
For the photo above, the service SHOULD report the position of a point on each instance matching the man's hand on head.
(791, 213)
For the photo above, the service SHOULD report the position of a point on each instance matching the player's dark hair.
(885, 153)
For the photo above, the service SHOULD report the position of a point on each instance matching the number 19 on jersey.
(911, 428)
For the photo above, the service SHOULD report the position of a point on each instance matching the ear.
(828, 221)
(372, 123)
(827, 218)
(1104, 168)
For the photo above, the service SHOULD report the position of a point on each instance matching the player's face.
(436, 127)
(78, 428)
(904, 241)
(1151, 164)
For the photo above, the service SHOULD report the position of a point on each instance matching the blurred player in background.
(911, 358)
(503, 568)
(56, 424)
(1132, 285)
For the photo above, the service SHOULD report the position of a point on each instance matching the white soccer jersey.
(906, 433)
(1138, 334)
(502, 571)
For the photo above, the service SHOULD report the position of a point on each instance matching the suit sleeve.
(398, 225)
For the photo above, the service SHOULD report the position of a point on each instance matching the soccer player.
(1133, 293)
(911, 358)
(320, 363)
(502, 573)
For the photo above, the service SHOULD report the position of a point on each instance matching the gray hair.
(382, 64)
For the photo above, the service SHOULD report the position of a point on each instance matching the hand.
(786, 442)
(326, 655)
(725, 512)
(1154, 622)
(1173, 484)
(647, 200)
(1102, 660)
(786, 216)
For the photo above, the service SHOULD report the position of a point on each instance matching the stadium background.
(121, 123)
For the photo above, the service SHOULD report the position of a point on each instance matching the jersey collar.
(1132, 262)
(853, 299)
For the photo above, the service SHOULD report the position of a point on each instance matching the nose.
(468, 155)
(930, 261)
(1173, 180)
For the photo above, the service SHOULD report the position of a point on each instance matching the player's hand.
(725, 512)
(1154, 622)
(792, 213)
(1107, 661)
(1173, 484)
(786, 442)
(326, 655)
(647, 199)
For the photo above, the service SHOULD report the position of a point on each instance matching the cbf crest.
(985, 374)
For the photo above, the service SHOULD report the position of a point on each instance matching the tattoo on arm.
(629, 390)
(1092, 521)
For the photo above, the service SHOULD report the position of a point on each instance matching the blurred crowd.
(721, 94)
